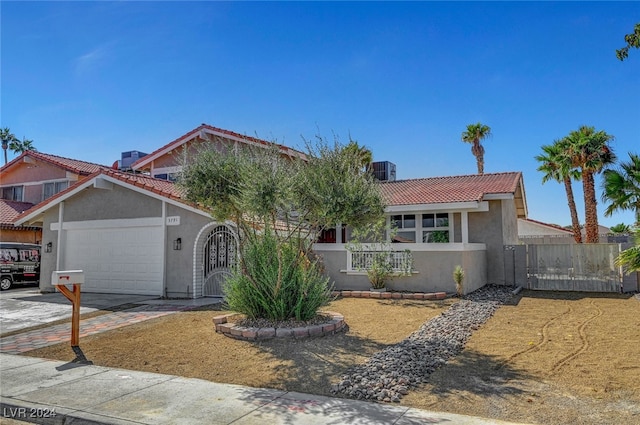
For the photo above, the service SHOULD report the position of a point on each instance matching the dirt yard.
(550, 358)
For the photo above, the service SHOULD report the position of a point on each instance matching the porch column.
(464, 224)
(339, 233)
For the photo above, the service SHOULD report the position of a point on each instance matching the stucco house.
(31, 178)
(444, 222)
(134, 233)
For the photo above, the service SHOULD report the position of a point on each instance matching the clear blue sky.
(89, 80)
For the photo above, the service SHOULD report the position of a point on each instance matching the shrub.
(276, 282)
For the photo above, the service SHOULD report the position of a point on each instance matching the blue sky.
(89, 80)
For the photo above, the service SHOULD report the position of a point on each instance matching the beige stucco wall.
(123, 203)
(434, 270)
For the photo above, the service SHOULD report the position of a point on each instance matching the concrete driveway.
(23, 308)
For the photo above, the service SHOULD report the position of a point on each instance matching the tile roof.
(10, 210)
(164, 188)
(188, 136)
(73, 165)
(553, 226)
(437, 190)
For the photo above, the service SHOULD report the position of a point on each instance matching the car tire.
(5, 283)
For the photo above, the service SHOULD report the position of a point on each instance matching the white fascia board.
(162, 170)
(497, 196)
(481, 206)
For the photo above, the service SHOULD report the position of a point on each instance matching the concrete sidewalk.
(52, 392)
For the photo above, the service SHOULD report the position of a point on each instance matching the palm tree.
(620, 229)
(590, 152)
(7, 137)
(475, 134)
(621, 187)
(557, 166)
(363, 155)
(20, 146)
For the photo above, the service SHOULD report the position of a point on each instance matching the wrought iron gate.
(219, 258)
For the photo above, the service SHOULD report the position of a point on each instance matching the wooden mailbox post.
(71, 277)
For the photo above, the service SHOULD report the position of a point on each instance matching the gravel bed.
(390, 373)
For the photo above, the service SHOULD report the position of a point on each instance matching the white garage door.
(117, 260)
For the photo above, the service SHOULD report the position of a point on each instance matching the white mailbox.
(67, 277)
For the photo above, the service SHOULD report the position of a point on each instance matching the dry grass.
(550, 358)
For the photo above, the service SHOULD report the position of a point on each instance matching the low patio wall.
(433, 267)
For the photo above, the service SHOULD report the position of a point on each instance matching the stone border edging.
(392, 295)
(336, 324)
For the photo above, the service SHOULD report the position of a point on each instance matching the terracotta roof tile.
(437, 190)
(10, 210)
(76, 166)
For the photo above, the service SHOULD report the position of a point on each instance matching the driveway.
(23, 308)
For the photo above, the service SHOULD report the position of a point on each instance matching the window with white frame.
(405, 225)
(13, 193)
(435, 228)
(50, 189)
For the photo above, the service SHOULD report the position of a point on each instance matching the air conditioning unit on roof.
(384, 171)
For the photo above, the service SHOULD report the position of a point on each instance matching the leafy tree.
(475, 134)
(589, 152)
(20, 146)
(279, 204)
(632, 40)
(7, 137)
(557, 166)
(621, 187)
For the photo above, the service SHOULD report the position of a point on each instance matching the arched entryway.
(216, 254)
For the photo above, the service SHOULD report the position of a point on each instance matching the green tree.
(632, 40)
(629, 259)
(621, 187)
(279, 204)
(590, 152)
(557, 166)
(475, 134)
(7, 137)
(362, 153)
(20, 146)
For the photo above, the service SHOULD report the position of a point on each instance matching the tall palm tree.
(621, 187)
(20, 146)
(7, 137)
(557, 166)
(590, 152)
(475, 134)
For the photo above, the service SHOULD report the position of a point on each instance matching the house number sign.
(173, 220)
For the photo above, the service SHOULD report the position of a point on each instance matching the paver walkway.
(31, 340)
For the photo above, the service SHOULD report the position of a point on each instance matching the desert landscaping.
(543, 357)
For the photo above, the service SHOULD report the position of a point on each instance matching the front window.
(406, 228)
(50, 189)
(435, 228)
(12, 193)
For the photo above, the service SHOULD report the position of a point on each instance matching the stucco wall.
(117, 203)
(434, 271)
(20, 235)
(179, 264)
(38, 171)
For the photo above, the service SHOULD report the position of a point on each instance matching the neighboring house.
(30, 179)
(444, 222)
(9, 211)
(34, 176)
(166, 162)
(536, 232)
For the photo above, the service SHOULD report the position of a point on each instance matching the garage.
(117, 256)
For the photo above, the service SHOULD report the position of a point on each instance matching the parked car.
(19, 264)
